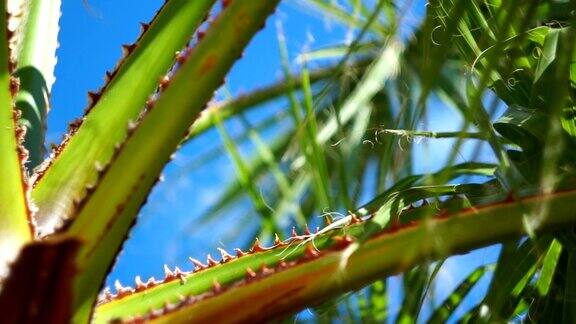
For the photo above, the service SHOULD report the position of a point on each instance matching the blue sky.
(90, 39)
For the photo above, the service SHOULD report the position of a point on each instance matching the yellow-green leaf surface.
(308, 278)
(14, 227)
(104, 219)
(123, 99)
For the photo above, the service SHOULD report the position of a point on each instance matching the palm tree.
(350, 154)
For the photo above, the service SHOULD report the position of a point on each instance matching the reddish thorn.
(265, 270)
(168, 274)
(200, 35)
(225, 256)
(354, 219)
(343, 241)
(250, 274)
(310, 252)
(109, 76)
(144, 26)
(164, 82)
(122, 291)
(282, 264)
(256, 247)
(93, 97)
(107, 295)
(151, 282)
(150, 103)
(294, 233)
(225, 3)
(181, 56)
(118, 285)
(211, 261)
(139, 284)
(216, 286)
(277, 240)
(239, 253)
(307, 230)
(128, 48)
(197, 264)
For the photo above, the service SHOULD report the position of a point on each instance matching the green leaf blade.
(15, 229)
(123, 99)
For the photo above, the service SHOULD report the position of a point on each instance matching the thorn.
(180, 275)
(307, 230)
(14, 86)
(216, 286)
(294, 233)
(310, 252)
(164, 82)
(239, 253)
(277, 240)
(343, 241)
(225, 256)
(110, 75)
(144, 27)
(211, 262)
(250, 274)
(180, 57)
(150, 103)
(200, 35)
(106, 295)
(265, 270)
(282, 264)
(132, 126)
(225, 3)
(256, 247)
(128, 48)
(353, 218)
(197, 264)
(140, 286)
(168, 274)
(151, 282)
(122, 291)
(98, 166)
(93, 97)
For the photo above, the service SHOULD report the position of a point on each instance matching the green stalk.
(310, 276)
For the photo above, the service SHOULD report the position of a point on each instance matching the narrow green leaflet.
(104, 219)
(548, 268)
(384, 68)
(15, 229)
(516, 266)
(448, 306)
(250, 100)
(75, 164)
(247, 180)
